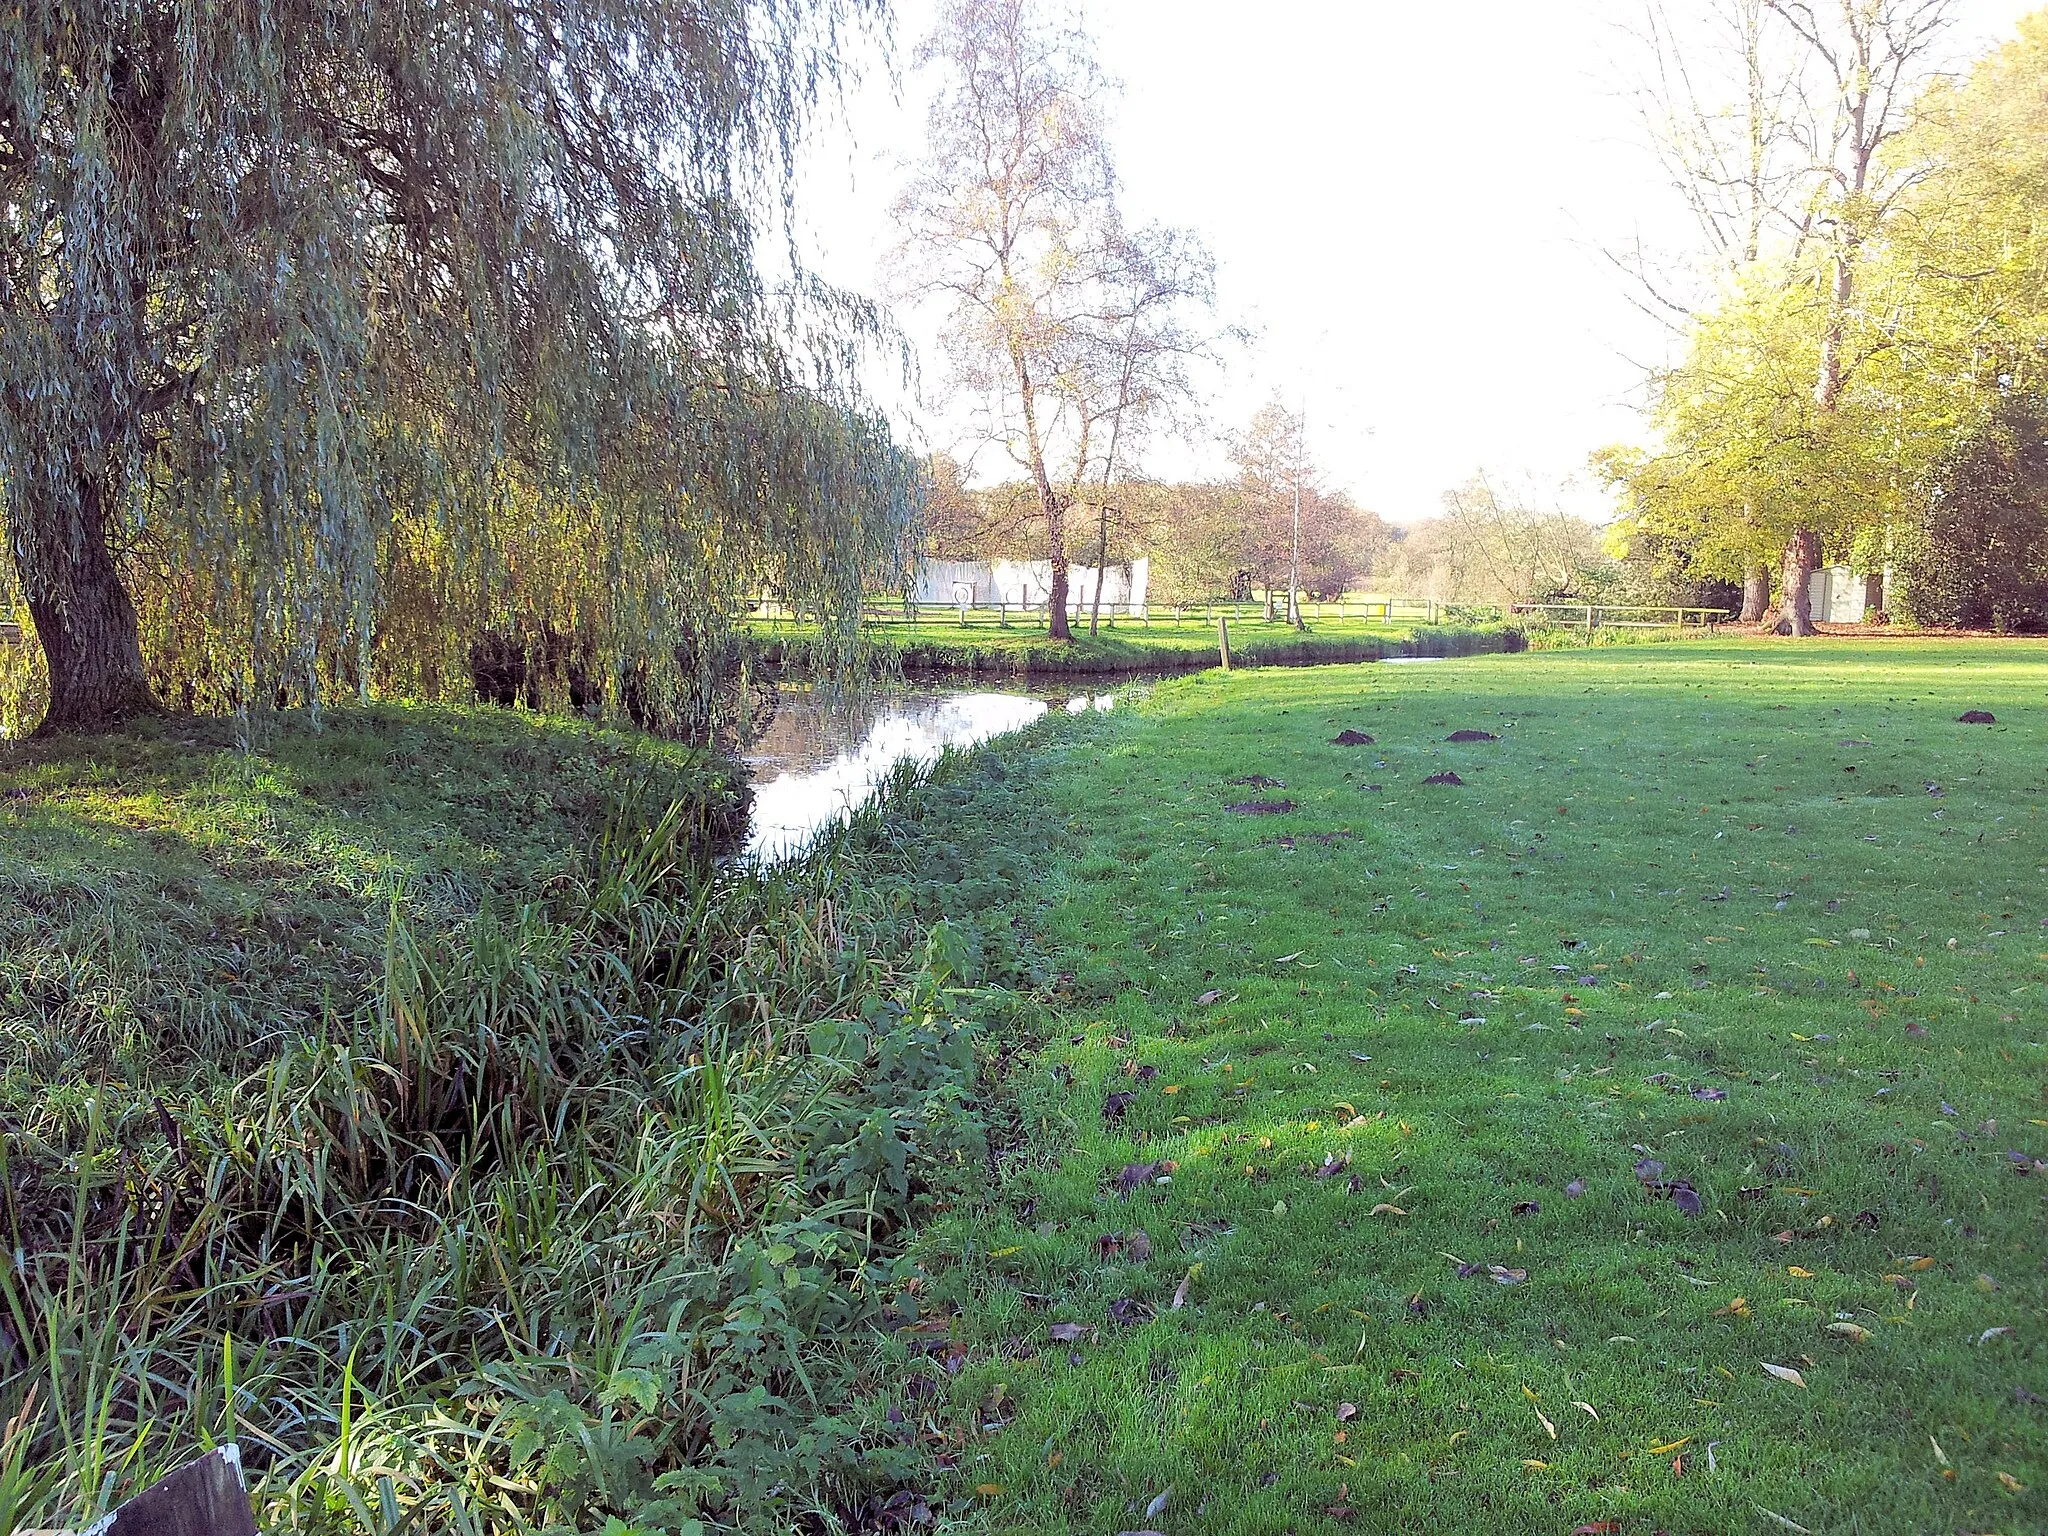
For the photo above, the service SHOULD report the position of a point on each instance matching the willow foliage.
(337, 332)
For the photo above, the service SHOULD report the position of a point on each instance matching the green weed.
(424, 1105)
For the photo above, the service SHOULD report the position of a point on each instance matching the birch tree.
(1069, 332)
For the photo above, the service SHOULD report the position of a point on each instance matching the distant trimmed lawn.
(1128, 645)
(1648, 1133)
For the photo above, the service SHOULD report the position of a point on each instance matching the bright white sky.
(1408, 203)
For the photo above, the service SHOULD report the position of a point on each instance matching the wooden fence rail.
(1591, 616)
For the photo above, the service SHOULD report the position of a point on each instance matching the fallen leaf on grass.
(1667, 1449)
(1855, 1333)
(1137, 1245)
(1128, 1312)
(1575, 1189)
(1797, 1273)
(1135, 1175)
(1783, 1373)
(1504, 1276)
(2012, 1484)
(1066, 1333)
(1346, 1411)
(1384, 1209)
(1993, 1333)
(1923, 1262)
(1588, 1409)
(1739, 1307)
(1180, 1292)
(1213, 995)
(1544, 1419)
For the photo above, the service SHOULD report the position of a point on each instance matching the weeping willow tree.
(332, 327)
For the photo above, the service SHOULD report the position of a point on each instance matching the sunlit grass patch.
(1509, 1130)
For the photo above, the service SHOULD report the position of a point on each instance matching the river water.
(823, 754)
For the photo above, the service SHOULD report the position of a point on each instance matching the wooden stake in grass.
(1223, 639)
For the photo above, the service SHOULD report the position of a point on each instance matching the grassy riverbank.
(1646, 1134)
(1024, 648)
(417, 1104)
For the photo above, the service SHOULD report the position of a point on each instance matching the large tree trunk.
(1756, 593)
(1056, 548)
(1056, 603)
(1802, 558)
(82, 613)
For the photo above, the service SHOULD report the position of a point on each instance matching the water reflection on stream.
(822, 755)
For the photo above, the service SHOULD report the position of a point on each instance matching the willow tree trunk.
(1802, 559)
(1756, 593)
(82, 613)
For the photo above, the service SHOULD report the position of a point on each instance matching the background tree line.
(1861, 372)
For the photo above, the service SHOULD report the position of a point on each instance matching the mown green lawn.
(1457, 1158)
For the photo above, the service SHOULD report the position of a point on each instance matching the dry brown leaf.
(1855, 1333)
(1384, 1209)
(1783, 1373)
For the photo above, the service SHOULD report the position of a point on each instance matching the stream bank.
(987, 649)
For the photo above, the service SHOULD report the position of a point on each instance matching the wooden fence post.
(1223, 639)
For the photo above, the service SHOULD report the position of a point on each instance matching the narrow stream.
(823, 755)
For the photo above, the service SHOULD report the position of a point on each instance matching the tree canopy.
(334, 332)
(1833, 386)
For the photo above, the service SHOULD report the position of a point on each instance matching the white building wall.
(1838, 595)
(1027, 584)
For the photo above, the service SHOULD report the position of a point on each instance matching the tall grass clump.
(581, 1213)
